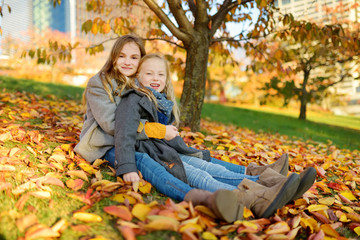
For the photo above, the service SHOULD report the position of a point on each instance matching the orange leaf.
(127, 232)
(119, 211)
(75, 184)
(328, 230)
(279, 227)
(40, 231)
(25, 222)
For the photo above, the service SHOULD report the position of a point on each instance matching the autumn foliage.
(37, 162)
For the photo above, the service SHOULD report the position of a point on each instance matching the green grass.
(288, 125)
(41, 88)
(342, 131)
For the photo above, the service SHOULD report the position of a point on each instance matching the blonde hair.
(109, 71)
(168, 89)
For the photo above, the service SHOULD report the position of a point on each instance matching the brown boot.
(281, 166)
(270, 178)
(307, 179)
(264, 201)
(223, 203)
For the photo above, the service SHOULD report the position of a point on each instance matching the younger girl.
(152, 98)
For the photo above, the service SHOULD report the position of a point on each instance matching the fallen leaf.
(119, 211)
(87, 217)
(140, 211)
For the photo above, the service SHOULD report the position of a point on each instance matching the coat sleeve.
(102, 108)
(127, 118)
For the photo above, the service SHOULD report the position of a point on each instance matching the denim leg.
(230, 166)
(110, 157)
(155, 174)
(198, 178)
(217, 171)
(161, 179)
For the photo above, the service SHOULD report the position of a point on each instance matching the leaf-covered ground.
(48, 191)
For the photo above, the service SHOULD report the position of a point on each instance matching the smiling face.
(128, 60)
(152, 73)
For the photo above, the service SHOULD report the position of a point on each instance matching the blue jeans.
(162, 180)
(156, 174)
(211, 176)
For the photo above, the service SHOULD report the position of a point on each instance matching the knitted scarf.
(164, 105)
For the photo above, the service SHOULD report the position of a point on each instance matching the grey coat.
(133, 107)
(97, 134)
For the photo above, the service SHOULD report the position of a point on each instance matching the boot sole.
(286, 193)
(306, 181)
(228, 207)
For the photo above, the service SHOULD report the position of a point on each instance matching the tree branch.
(180, 16)
(166, 21)
(201, 13)
(165, 40)
(192, 7)
(219, 17)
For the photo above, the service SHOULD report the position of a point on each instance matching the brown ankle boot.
(307, 179)
(270, 178)
(223, 203)
(264, 201)
(281, 166)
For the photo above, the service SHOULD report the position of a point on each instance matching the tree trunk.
(192, 97)
(304, 96)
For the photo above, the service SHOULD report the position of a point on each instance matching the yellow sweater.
(153, 129)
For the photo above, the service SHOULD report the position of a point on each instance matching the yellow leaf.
(191, 227)
(98, 162)
(87, 168)
(162, 223)
(58, 157)
(135, 186)
(87, 217)
(247, 213)
(208, 236)
(327, 201)
(311, 223)
(357, 230)
(60, 225)
(205, 210)
(78, 173)
(6, 167)
(319, 207)
(98, 238)
(141, 211)
(225, 158)
(121, 198)
(145, 187)
(41, 194)
(258, 145)
(348, 195)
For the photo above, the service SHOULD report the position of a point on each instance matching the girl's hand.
(131, 177)
(171, 132)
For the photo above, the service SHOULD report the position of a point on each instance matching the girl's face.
(153, 74)
(129, 58)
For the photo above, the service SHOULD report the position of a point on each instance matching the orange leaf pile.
(37, 163)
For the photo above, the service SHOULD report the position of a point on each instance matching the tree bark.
(304, 96)
(192, 97)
